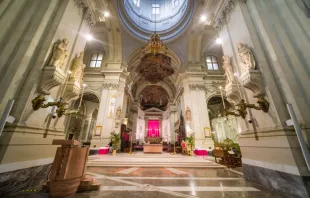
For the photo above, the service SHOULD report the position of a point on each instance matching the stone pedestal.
(52, 77)
(251, 79)
(67, 175)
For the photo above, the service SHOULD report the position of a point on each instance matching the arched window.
(212, 63)
(96, 60)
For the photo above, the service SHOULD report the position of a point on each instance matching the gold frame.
(205, 130)
(100, 131)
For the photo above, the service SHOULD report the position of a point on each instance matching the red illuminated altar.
(153, 129)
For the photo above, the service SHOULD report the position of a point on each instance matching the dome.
(169, 16)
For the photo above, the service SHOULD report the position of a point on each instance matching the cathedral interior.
(155, 98)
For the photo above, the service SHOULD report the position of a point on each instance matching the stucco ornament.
(246, 57)
(188, 114)
(77, 69)
(230, 78)
(59, 53)
(118, 113)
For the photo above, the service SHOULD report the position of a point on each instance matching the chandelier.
(154, 43)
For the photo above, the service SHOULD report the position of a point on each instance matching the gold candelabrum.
(39, 102)
(263, 105)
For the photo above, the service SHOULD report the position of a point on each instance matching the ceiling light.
(89, 37)
(84, 85)
(203, 18)
(218, 41)
(106, 13)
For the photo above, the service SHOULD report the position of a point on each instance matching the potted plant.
(191, 141)
(115, 138)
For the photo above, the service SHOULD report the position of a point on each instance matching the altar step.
(155, 164)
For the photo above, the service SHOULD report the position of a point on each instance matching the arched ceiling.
(153, 96)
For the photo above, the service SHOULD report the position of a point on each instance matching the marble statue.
(246, 57)
(188, 114)
(118, 113)
(228, 69)
(59, 53)
(77, 69)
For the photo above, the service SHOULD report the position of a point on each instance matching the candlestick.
(222, 97)
(67, 79)
(84, 85)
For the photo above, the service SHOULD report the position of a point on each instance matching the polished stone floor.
(140, 182)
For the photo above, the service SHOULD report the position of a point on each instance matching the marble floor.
(161, 182)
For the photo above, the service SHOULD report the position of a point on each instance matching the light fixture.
(236, 74)
(154, 43)
(218, 41)
(106, 13)
(89, 37)
(69, 72)
(84, 85)
(203, 18)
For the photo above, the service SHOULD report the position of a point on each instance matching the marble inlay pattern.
(276, 180)
(21, 180)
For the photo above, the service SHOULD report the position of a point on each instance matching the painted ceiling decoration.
(154, 96)
(155, 67)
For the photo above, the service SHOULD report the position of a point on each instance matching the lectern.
(67, 175)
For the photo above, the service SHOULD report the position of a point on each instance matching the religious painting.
(207, 132)
(98, 131)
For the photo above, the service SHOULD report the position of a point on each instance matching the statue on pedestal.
(118, 113)
(59, 53)
(246, 57)
(188, 114)
(228, 69)
(77, 69)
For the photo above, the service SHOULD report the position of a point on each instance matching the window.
(212, 63)
(137, 2)
(155, 8)
(96, 60)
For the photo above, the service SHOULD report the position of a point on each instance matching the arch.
(163, 84)
(135, 57)
(89, 91)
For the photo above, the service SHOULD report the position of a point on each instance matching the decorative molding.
(225, 13)
(88, 15)
(110, 86)
(197, 86)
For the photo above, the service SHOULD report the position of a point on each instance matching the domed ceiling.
(170, 16)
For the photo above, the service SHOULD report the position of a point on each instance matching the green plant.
(116, 139)
(191, 140)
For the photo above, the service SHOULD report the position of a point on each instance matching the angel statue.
(59, 53)
(228, 69)
(246, 57)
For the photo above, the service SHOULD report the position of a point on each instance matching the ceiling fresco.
(154, 96)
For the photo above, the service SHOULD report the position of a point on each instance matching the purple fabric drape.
(153, 128)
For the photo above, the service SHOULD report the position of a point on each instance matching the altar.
(152, 148)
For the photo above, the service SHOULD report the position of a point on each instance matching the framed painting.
(98, 131)
(207, 132)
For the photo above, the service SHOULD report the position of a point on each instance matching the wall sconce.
(263, 105)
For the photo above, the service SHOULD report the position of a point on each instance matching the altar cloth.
(200, 152)
(103, 150)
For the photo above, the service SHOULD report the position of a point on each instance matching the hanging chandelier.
(154, 43)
